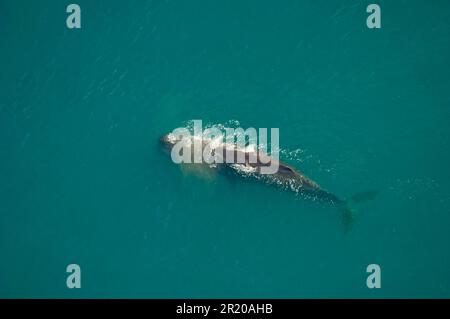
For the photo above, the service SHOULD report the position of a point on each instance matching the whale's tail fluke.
(349, 209)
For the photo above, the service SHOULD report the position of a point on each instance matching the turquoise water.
(83, 179)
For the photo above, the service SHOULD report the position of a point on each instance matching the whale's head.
(167, 141)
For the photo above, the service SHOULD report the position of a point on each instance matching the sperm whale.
(286, 176)
(252, 163)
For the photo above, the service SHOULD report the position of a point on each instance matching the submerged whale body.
(286, 176)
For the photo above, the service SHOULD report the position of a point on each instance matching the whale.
(286, 176)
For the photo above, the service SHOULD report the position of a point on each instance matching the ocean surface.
(84, 181)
